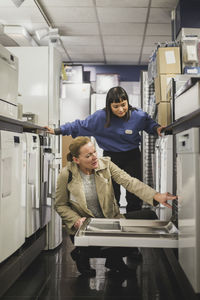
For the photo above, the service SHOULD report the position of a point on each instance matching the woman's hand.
(49, 130)
(79, 223)
(159, 129)
(163, 198)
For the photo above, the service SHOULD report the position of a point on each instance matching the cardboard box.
(161, 83)
(168, 60)
(164, 113)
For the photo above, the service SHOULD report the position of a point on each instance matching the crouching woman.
(89, 194)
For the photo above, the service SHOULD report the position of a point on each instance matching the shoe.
(119, 266)
(82, 263)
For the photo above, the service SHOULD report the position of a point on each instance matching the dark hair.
(116, 94)
(75, 146)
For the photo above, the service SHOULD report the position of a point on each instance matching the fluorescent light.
(20, 35)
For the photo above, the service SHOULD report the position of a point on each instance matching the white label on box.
(170, 57)
(191, 53)
(192, 71)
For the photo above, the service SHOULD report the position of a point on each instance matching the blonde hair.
(76, 145)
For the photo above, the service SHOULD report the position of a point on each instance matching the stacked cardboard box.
(168, 66)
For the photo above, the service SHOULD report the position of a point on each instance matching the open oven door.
(127, 233)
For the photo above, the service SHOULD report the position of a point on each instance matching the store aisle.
(53, 276)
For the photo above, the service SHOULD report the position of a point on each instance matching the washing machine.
(12, 197)
(188, 191)
(32, 183)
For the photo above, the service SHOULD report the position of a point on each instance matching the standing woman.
(116, 129)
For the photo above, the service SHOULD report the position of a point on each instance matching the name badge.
(128, 131)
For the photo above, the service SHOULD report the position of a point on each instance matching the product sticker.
(170, 57)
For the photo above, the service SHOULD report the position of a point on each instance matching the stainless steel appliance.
(46, 161)
(32, 183)
(12, 198)
(188, 190)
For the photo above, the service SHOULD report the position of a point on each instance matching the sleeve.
(85, 127)
(133, 185)
(62, 205)
(150, 125)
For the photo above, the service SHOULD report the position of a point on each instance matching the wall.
(126, 72)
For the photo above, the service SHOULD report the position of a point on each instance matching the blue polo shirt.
(121, 135)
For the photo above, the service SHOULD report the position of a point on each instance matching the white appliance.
(46, 160)
(54, 227)
(12, 197)
(39, 82)
(166, 173)
(8, 83)
(188, 191)
(32, 183)
(74, 102)
(188, 101)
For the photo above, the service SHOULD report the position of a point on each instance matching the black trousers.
(129, 161)
(115, 253)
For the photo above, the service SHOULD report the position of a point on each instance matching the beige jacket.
(70, 200)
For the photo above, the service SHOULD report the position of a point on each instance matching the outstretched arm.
(49, 130)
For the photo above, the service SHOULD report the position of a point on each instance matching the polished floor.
(53, 276)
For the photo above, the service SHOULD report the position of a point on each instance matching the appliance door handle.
(32, 196)
(50, 179)
(12, 65)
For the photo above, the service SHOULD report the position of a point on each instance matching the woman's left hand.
(163, 198)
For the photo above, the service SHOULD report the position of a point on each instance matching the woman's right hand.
(49, 130)
(79, 223)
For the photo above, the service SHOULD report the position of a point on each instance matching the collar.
(103, 164)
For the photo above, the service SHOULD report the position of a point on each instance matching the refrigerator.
(74, 102)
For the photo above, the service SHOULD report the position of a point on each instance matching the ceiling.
(92, 31)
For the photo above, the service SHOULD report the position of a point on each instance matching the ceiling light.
(17, 2)
(20, 35)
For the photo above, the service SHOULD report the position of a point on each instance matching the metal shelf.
(184, 123)
(18, 126)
